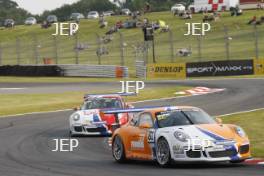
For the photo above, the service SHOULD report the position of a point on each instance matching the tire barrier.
(30, 70)
(96, 71)
(141, 69)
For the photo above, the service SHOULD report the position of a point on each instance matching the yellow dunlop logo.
(172, 70)
(259, 66)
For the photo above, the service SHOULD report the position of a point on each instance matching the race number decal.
(151, 136)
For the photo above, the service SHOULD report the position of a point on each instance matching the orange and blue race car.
(88, 119)
(167, 134)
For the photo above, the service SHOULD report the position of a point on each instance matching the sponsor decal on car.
(135, 145)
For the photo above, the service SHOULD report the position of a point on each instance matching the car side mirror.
(145, 125)
(219, 121)
(76, 109)
(129, 105)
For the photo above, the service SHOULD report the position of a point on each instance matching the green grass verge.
(253, 124)
(13, 79)
(11, 104)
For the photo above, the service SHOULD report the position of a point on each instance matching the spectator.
(145, 22)
(102, 21)
(253, 20)
(147, 8)
(216, 15)
(205, 10)
(119, 24)
(208, 18)
(262, 19)
(112, 30)
(45, 24)
(260, 5)
(187, 15)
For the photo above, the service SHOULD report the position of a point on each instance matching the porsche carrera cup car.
(89, 120)
(181, 134)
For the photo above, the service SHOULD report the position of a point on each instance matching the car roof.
(171, 108)
(103, 96)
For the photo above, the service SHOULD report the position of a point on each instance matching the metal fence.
(126, 47)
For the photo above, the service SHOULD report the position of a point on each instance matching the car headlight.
(76, 117)
(181, 136)
(240, 131)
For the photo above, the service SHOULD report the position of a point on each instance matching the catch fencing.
(124, 48)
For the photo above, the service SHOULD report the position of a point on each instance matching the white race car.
(168, 134)
(88, 120)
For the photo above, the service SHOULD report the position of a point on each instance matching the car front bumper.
(231, 153)
(88, 130)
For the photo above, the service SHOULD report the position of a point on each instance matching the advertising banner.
(220, 68)
(259, 66)
(171, 70)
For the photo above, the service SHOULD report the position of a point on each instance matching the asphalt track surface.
(26, 141)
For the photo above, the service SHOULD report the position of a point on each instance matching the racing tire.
(71, 135)
(237, 161)
(163, 153)
(118, 150)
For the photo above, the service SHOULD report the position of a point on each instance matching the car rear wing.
(115, 112)
(109, 94)
(135, 110)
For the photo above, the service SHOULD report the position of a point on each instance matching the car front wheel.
(118, 150)
(163, 153)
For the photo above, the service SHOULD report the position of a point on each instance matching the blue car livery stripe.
(211, 134)
(96, 118)
(220, 138)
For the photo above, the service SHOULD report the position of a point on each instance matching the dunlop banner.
(171, 70)
(259, 66)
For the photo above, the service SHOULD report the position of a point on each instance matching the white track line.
(13, 88)
(178, 93)
(241, 112)
(32, 113)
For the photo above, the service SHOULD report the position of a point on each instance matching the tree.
(83, 6)
(8, 4)
(10, 9)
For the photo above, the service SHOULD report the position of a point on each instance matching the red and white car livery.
(88, 119)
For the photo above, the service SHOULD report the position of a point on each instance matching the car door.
(129, 135)
(140, 147)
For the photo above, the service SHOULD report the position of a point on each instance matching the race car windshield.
(102, 103)
(178, 118)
